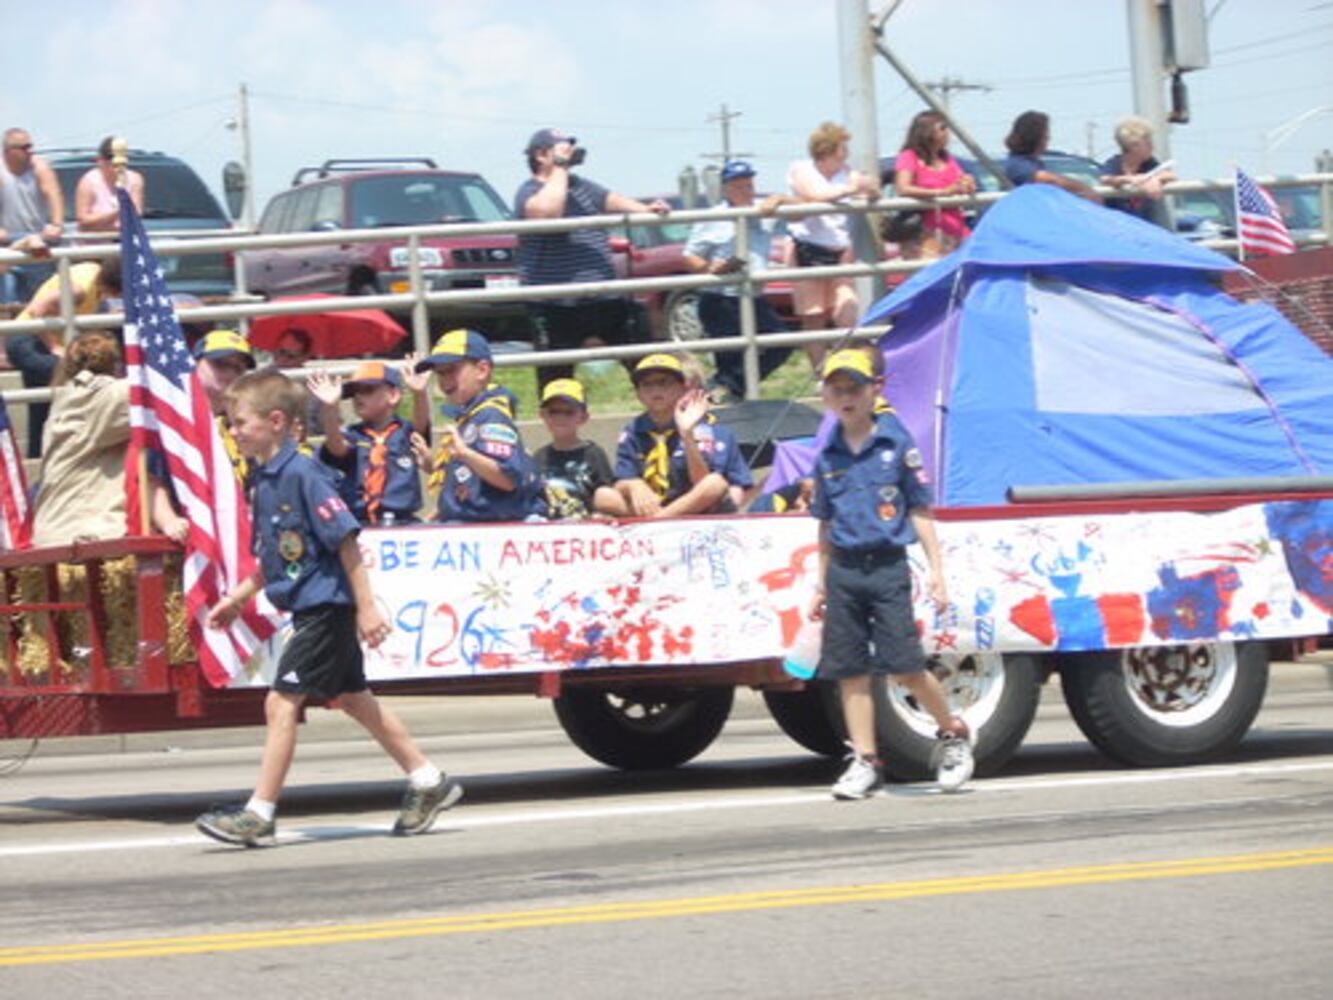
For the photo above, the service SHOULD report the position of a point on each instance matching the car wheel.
(682, 317)
(811, 716)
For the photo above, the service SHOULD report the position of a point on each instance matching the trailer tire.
(680, 316)
(996, 694)
(1166, 705)
(640, 729)
(811, 716)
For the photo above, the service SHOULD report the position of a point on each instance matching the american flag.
(170, 415)
(1258, 222)
(15, 513)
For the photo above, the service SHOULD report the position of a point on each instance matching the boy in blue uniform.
(674, 458)
(310, 564)
(373, 457)
(872, 501)
(481, 469)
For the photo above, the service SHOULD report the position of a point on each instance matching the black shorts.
(868, 622)
(322, 658)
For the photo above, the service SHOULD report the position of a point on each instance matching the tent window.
(1098, 353)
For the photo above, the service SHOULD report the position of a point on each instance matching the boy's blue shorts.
(868, 622)
(323, 657)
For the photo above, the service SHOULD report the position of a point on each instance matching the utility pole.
(1147, 49)
(948, 85)
(724, 117)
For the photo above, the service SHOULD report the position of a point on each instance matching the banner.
(474, 601)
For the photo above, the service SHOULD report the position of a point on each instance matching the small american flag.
(170, 415)
(15, 513)
(1259, 224)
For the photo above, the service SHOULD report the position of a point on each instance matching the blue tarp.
(1065, 343)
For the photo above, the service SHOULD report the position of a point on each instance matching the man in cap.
(711, 249)
(582, 255)
(481, 470)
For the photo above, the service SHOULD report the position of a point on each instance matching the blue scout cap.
(223, 344)
(456, 345)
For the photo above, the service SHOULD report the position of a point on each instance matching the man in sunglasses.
(30, 204)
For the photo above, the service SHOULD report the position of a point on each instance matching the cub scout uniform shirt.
(299, 523)
(487, 426)
(866, 497)
(657, 456)
(378, 475)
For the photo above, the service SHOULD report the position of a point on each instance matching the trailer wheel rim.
(974, 685)
(1180, 686)
(647, 715)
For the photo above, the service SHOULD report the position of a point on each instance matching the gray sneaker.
(238, 825)
(954, 762)
(422, 805)
(861, 779)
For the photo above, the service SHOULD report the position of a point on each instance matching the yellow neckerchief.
(240, 465)
(657, 460)
(882, 405)
(488, 399)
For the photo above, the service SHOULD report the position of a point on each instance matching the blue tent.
(1066, 343)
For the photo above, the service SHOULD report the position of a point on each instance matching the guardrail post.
(746, 302)
(66, 299)
(420, 314)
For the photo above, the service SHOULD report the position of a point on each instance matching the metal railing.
(419, 299)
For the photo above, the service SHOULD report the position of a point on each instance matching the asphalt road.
(735, 876)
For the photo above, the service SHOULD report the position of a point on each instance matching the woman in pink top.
(924, 169)
(95, 205)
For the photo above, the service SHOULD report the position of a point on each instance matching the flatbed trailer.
(640, 631)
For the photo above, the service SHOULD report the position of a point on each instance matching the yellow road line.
(297, 937)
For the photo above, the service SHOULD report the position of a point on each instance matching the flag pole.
(1235, 209)
(120, 158)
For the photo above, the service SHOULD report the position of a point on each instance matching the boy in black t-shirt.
(575, 473)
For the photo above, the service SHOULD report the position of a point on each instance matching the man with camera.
(581, 255)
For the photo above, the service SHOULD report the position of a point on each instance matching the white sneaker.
(954, 762)
(859, 780)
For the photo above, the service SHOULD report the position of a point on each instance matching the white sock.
(426, 776)
(262, 808)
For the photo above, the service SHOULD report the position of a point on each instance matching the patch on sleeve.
(912, 458)
(498, 433)
(330, 508)
(495, 449)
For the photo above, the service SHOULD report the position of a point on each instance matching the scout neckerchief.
(377, 469)
(491, 398)
(657, 460)
(241, 466)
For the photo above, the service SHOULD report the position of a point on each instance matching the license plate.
(501, 281)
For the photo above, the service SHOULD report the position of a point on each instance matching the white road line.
(473, 821)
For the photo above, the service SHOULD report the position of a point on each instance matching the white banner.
(484, 600)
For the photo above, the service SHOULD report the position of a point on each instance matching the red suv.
(371, 194)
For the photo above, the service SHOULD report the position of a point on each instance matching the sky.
(467, 81)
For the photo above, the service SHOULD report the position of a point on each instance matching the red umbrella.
(332, 334)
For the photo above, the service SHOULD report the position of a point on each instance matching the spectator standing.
(81, 483)
(576, 474)
(711, 249)
(36, 356)
(309, 563)
(582, 255)
(1136, 167)
(925, 169)
(823, 240)
(872, 501)
(1027, 140)
(95, 207)
(31, 203)
(674, 458)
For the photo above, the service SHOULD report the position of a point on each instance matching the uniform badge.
(469, 434)
(887, 511)
(886, 456)
(405, 462)
(291, 546)
(912, 458)
(462, 475)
